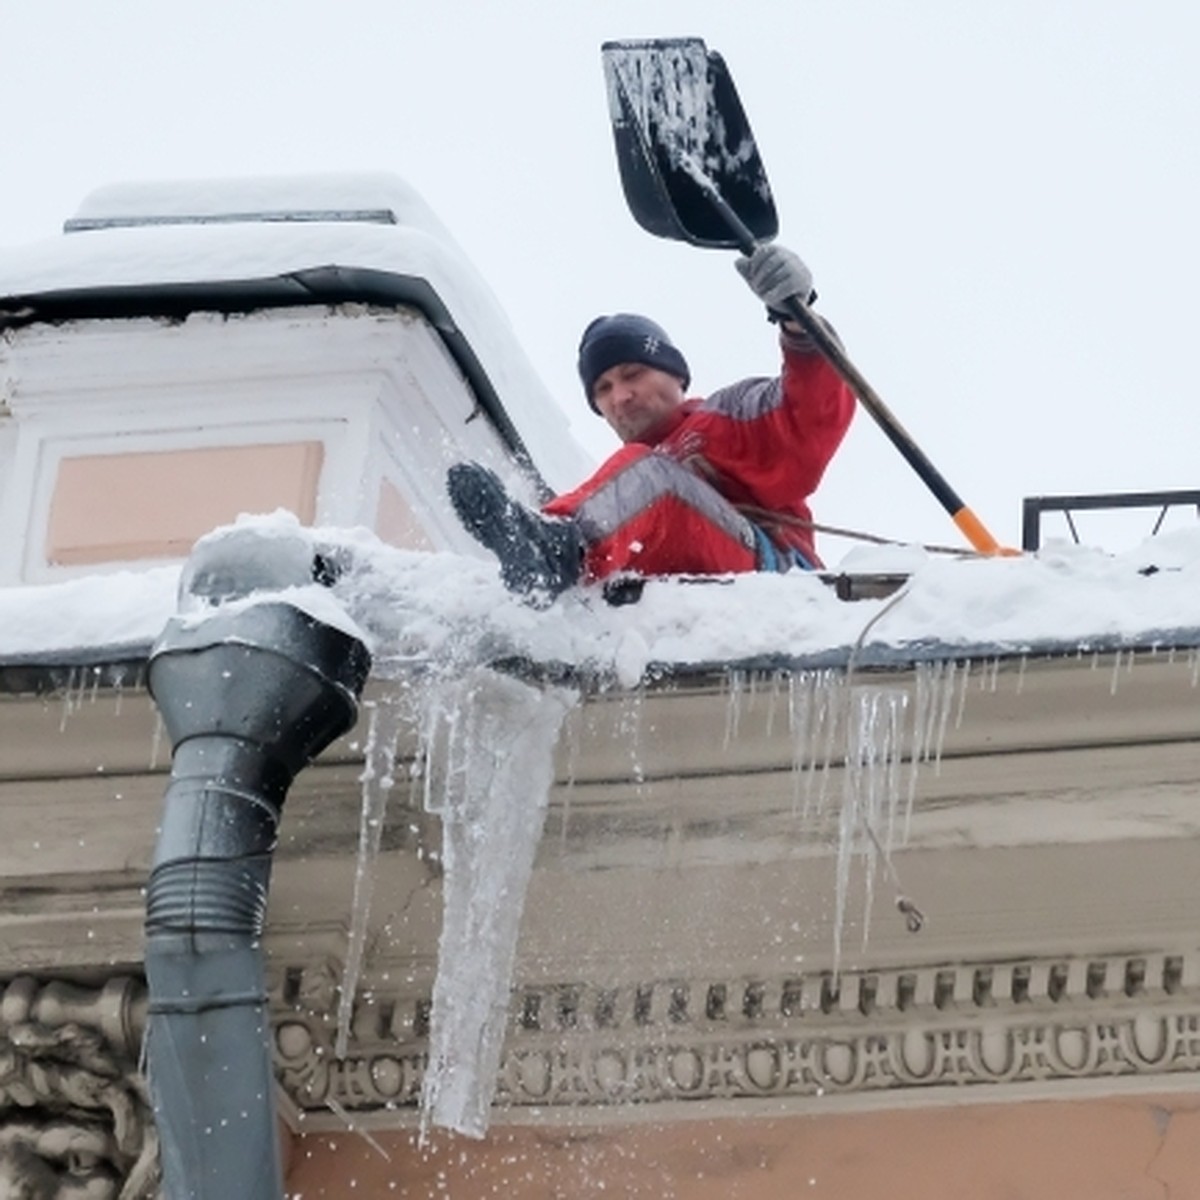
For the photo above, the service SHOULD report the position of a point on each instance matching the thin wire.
(914, 918)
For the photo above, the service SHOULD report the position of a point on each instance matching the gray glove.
(774, 273)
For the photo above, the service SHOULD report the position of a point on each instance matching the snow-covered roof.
(440, 610)
(308, 237)
(289, 240)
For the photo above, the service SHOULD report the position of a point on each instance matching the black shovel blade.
(676, 115)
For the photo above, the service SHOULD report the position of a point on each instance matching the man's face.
(634, 398)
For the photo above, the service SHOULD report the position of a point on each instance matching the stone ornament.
(75, 1119)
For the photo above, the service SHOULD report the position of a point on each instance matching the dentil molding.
(882, 1037)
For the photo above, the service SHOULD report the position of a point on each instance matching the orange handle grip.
(975, 532)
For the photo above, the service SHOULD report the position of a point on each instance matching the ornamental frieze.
(967, 1026)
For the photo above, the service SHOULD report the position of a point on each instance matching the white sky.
(998, 201)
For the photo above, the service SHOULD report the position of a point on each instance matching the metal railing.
(1033, 506)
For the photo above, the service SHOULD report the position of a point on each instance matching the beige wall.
(1142, 1148)
(126, 507)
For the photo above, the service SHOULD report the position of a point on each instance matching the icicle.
(922, 699)
(773, 697)
(156, 739)
(961, 707)
(1116, 673)
(340, 1111)
(630, 732)
(800, 707)
(387, 717)
(813, 702)
(735, 684)
(829, 694)
(940, 688)
(118, 684)
(848, 828)
(892, 757)
(947, 702)
(870, 795)
(935, 699)
(496, 772)
(70, 700)
(989, 678)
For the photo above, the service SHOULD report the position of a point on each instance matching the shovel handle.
(966, 520)
(799, 312)
(740, 230)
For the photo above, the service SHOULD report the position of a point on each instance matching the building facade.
(919, 921)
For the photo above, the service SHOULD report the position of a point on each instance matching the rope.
(877, 540)
(767, 517)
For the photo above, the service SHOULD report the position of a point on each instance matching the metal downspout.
(248, 697)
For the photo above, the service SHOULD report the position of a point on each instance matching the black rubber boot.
(540, 557)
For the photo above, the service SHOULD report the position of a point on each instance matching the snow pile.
(448, 612)
(93, 617)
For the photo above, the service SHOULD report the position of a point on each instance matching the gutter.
(52, 672)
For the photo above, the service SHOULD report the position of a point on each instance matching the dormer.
(185, 353)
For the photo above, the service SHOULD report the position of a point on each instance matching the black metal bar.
(1032, 508)
(1115, 500)
(1031, 524)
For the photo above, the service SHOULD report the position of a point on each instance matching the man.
(700, 486)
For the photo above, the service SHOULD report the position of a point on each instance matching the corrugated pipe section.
(248, 697)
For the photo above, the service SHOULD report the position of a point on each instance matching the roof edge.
(124, 666)
(325, 285)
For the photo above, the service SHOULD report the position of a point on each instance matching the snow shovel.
(691, 171)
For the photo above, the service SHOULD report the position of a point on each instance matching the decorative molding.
(74, 1113)
(963, 1026)
(73, 1106)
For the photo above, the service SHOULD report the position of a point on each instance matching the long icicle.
(496, 774)
(387, 717)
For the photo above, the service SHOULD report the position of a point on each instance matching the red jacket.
(763, 444)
